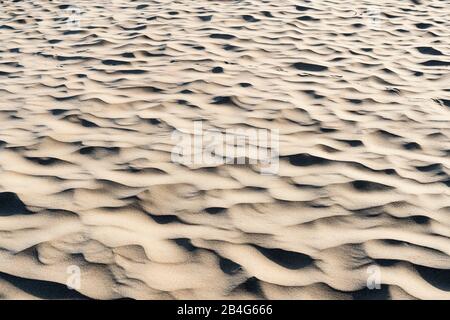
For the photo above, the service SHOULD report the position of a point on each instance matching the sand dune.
(92, 91)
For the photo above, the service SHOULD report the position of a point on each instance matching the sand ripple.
(86, 177)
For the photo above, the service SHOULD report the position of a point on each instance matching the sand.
(92, 206)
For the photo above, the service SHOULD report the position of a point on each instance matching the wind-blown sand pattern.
(362, 103)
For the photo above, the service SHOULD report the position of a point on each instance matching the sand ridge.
(361, 103)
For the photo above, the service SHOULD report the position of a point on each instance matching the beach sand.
(92, 205)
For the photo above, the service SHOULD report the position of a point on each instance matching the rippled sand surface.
(360, 94)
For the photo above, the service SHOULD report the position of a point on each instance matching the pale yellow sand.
(86, 177)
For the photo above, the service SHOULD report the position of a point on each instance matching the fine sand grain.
(90, 98)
